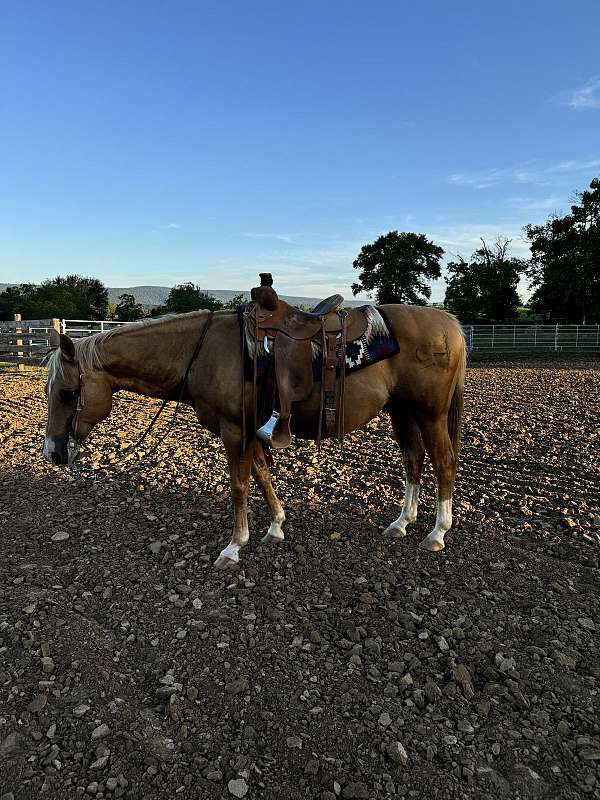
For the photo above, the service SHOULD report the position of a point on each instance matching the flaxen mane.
(88, 350)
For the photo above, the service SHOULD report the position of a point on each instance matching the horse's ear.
(67, 347)
(54, 338)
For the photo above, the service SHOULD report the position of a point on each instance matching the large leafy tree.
(484, 289)
(72, 297)
(397, 268)
(127, 310)
(565, 261)
(188, 297)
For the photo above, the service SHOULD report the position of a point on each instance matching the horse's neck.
(149, 360)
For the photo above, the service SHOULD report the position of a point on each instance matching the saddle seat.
(293, 333)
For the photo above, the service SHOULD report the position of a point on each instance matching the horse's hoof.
(270, 538)
(393, 532)
(223, 562)
(433, 545)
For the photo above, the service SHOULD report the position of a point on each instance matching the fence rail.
(78, 328)
(25, 342)
(532, 338)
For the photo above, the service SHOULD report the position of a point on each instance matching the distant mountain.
(150, 296)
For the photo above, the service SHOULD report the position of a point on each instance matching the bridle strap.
(80, 403)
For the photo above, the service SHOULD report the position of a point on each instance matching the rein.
(81, 400)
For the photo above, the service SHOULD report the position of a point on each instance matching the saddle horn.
(264, 294)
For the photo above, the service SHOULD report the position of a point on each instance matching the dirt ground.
(334, 664)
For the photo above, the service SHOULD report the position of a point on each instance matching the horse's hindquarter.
(431, 346)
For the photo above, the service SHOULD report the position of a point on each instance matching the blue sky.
(155, 142)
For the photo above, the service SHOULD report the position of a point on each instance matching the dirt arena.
(335, 664)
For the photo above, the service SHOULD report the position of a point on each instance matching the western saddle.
(292, 336)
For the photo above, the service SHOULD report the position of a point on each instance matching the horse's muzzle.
(60, 450)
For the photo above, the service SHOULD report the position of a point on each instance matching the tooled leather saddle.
(290, 335)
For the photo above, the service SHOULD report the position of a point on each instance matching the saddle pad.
(377, 343)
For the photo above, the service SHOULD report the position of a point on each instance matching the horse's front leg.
(262, 476)
(240, 466)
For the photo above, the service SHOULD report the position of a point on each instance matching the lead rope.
(179, 399)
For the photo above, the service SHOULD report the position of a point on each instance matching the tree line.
(75, 297)
(563, 271)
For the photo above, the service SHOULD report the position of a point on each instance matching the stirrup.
(265, 433)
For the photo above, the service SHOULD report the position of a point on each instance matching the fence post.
(63, 326)
(556, 338)
(18, 342)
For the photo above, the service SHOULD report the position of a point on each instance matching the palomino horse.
(421, 387)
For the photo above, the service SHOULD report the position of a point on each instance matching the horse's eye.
(68, 396)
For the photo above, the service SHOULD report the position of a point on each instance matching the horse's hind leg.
(439, 448)
(262, 476)
(409, 438)
(240, 465)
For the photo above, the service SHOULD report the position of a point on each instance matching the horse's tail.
(455, 412)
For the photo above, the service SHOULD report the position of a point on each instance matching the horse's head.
(79, 396)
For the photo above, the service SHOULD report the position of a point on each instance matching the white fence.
(27, 342)
(532, 338)
(480, 338)
(77, 328)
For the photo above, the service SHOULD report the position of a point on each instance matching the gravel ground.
(335, 664)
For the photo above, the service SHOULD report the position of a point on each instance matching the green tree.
(72, 297)
(484, 289)
(397, 266)
(13, 299)
(128, 310)
(564, 268)
(188, 297)
(233, 304)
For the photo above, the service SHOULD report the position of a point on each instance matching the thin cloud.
(550, 203)
(288, 238)
(169, 226)
(540, 176)
(583, 98)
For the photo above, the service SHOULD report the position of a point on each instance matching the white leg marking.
(48, 448)
(443, 522)
(409, 511)
(275, 532)
(229, 556)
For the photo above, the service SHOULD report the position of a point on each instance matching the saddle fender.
(292, 361)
